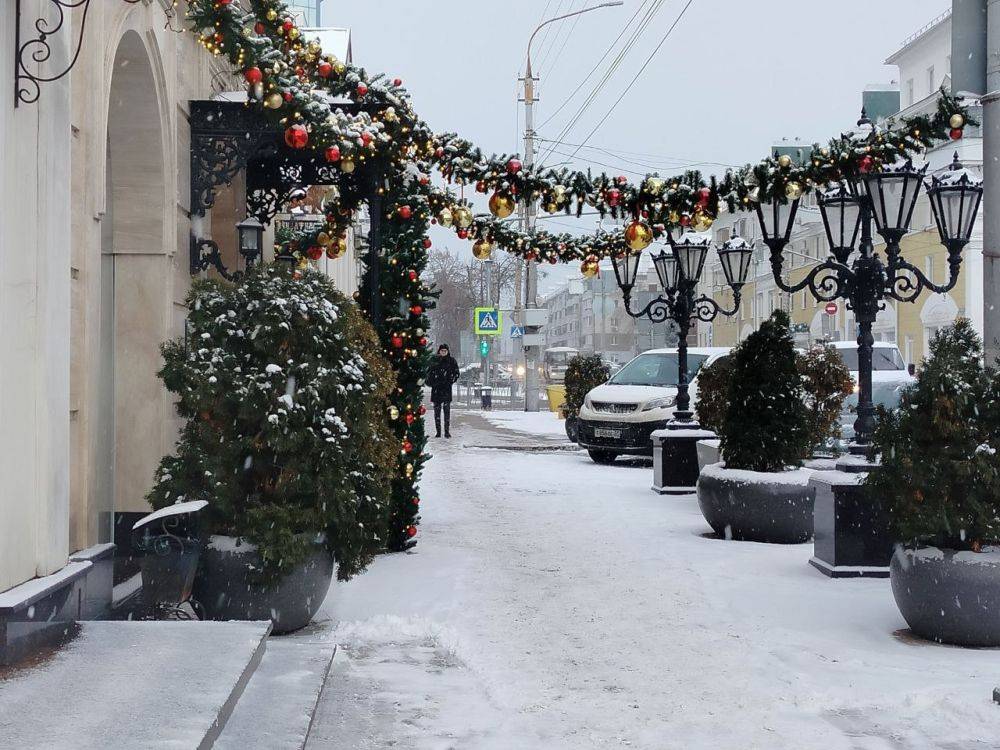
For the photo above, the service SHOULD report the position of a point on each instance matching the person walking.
(442, 376)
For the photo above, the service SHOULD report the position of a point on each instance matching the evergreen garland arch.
(296, 85)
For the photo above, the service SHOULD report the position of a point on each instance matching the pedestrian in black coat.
(441, 377)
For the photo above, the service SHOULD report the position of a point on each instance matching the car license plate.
(598, 432)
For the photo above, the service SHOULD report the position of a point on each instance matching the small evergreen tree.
(286, 400)
(765, 427)
(713, 392)
(939, 475)
(826, 382)
(583, 373)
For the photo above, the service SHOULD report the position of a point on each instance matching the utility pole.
(984, 48)
(530, 320)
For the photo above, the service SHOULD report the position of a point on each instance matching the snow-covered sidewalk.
(553, 603)
(544, 424)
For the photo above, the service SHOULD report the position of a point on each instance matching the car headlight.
(660, 403)
(586, 402)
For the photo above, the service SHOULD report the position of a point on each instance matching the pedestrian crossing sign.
(489, 321)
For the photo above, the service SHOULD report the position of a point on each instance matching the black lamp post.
(205, 253)
(852, 537)
(866, 282)
(250, 236)
(679, 270)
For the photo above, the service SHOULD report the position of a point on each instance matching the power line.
(638, 74)
(652, 161)
(555, 38)
(612, 69)
(558, 56)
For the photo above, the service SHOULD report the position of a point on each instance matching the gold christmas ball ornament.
(701, 221)
(654, 185)
(551, 207)
(273, 101)
(347, 165)
(323, 239)
(337, 248)
(793, 191)
(272, 14)
(463, 217)
(393, 413)
(784, 161)
(501, 205)
(957, 120)
(674, 218)
(482, 249)
(589, 268)
(638, 235)
(445, 218)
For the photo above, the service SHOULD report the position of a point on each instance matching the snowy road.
(552, 603)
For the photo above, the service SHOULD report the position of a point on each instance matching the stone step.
(276, 709)
(132, 685)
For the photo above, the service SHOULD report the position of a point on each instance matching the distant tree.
(765, 427)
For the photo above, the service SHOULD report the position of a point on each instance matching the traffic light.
(484, 348)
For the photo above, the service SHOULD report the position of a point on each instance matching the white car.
(617, 418)
(889, 377)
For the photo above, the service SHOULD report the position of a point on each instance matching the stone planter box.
(708, 453)
(757, 507)
(229, 588)
(949, 596)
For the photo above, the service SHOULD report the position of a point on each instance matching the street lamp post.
(679, 271)
(532, 352)
(851, 537)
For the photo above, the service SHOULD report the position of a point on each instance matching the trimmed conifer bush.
(939, 471)
(765, 426)
(583, 373)
(826, 383)
(713, 392)
(285, 397)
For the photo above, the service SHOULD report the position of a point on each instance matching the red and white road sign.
(831, 308)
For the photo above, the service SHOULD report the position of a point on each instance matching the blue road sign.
(488, 321)
(516, 332)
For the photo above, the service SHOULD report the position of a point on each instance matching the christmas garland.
(296, 86)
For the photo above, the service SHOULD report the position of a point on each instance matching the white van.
(889, 377)
(617, 418)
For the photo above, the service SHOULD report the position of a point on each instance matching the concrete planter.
(708, 453)
(949, 596)
(228, 586)
(757, 507)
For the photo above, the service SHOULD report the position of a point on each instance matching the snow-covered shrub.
(713, 392)
(939, 475)
(285, 396)
(583, 373)
(765, 426)
(826, 382)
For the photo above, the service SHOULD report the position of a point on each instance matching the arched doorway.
(127, 278)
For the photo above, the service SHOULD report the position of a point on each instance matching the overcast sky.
(733, 77)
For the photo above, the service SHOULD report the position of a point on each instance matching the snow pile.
(797, 477)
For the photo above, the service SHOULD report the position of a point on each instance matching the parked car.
(618, 417)
(889, 378)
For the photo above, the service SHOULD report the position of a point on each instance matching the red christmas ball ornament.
(685, 220)
(366, 138)
(480, 187)
(416, 501)
(407, 446)
(287, 96)
(955, 134)
(324, 69)
(253, 75)
(397, 342)
(397, 81)
(315, 252)
(423, 341)
(439, 152)
(514, 166)
(645, 213)
(332, 153)
(287, 25)
(405, 212)
(416, 310)
(614, 196)
(621, 180)
(412, 275)
(427, 243)
(225, 2)
(409, 418)
(296, 136)
(411, 531)
(704, 194)
(865, 164)
(463, 234)
(424, 180)
(362, 89)
(258, 28)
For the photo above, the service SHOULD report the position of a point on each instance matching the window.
(930, 80)
(909, 91)
(656, 369)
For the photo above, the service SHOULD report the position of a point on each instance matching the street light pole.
(528, 208)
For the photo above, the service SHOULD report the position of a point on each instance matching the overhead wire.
(560, 28)
(638, 74)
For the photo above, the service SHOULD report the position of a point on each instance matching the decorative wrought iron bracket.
(28, 85)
